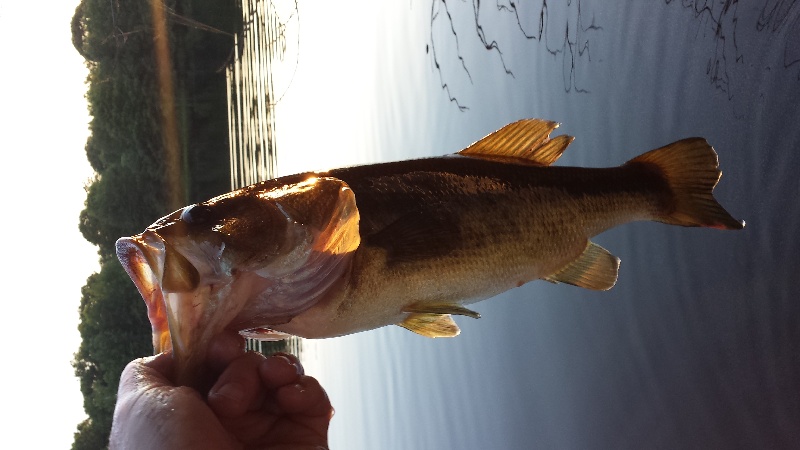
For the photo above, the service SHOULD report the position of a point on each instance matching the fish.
(409, 243)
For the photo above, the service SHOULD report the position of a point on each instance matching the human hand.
(256, 403)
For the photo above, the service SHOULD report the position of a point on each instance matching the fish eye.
(197, 214)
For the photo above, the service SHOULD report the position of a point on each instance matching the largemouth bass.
(410, 243)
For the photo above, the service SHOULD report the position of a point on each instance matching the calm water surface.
(697, 345)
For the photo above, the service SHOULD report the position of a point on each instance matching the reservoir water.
(697, 346)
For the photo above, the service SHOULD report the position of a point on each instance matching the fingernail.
(297, 367)
(231, 391)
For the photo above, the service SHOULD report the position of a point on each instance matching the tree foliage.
(90, 436)
(125, 150)
(111, 212)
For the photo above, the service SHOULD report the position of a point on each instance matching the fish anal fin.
(523, 142)
(441, 308)
(595, 269)
(431, 325)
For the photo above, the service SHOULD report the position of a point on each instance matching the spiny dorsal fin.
(431, 325)
(527, 140)
(596, 269)
(441, 308)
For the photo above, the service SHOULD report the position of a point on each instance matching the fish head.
(245, 260)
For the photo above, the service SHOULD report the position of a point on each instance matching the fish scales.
(505, 225)
(409, 242)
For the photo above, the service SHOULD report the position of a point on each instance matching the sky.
(44, 170)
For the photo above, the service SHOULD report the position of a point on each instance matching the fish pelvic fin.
(431, 325)
(690, 168)
(595, 269)
(441, 308)
(523, 142)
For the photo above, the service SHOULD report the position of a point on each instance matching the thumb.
(144, 373)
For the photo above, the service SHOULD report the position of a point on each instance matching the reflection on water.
(564, 33)
(720, 24)
(293, 345)
(696, 346)
(727, 34)
(264, 49)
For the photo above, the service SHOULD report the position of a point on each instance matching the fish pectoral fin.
(595, 268)
(441, 308)
(431, 325)
(525, 141)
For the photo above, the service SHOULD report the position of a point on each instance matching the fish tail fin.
(691, 170)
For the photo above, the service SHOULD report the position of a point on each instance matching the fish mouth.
(168, 283)
(199, 277)
(142, 257)
(189, 305)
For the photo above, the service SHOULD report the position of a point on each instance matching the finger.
(223, 349)
(162, 363)
(238, 388)
(146, 372)
(306, 397)
(147, 399)
(293, 359)
(280, 369)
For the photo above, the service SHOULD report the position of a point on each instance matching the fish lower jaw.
(195, 318)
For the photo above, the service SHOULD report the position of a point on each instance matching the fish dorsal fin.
(527, 141)
(431, 325)
(441, 308)
(595, 268)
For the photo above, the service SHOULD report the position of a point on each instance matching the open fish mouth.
(159, 272)
(142, 256)
(185, 310)
(240, 262)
